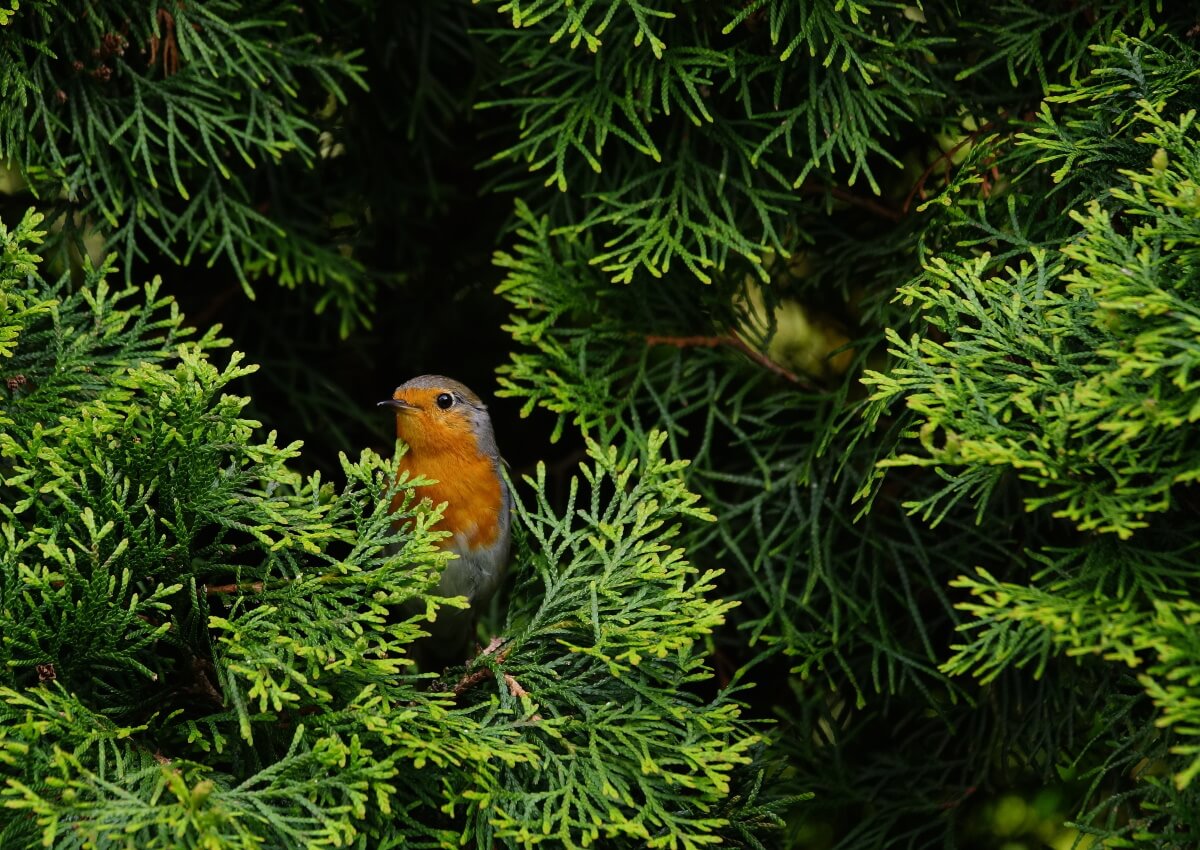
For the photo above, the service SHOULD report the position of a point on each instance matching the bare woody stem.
(947, 158)
(869, 204)
(514, 687)
(234, 587)
(259, 586)
(498, 648)
(730, 341)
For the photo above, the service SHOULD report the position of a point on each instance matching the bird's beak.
(399, 404)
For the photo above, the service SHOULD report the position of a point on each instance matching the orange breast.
(470, 487)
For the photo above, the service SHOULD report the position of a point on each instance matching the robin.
(449, 437)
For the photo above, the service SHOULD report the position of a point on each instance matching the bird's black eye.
(445, 401)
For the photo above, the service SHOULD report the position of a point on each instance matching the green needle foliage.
(141, 129)
(1073, 372)
(203, 648)
(947, 431)
(873, 323)
(687, 134)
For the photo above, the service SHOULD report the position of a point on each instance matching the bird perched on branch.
(449, 437)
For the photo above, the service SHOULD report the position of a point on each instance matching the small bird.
(449, 437)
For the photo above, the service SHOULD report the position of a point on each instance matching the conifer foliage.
(141, 129)
(938, 387)
(203, 648)
(876, 325)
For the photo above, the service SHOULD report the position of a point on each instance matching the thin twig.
(967, 792)
(514, 687)
(517, 692)
(730, 342)
(469, 680)
(252, 587)
(946, 156)
(849, 197)
(170, 46)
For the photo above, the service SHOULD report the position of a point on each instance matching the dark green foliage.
(686, 134)
(961, 548)
(151, 142)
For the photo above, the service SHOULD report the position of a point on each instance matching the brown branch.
(730, 341)
(234, 587)
(947, 157)
(469, 680)
(849, 197)
(967, 792)
(517, 692)
(170, 46)
(260, 586)
(514, 687)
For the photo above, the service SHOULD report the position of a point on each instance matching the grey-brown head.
(436, 413)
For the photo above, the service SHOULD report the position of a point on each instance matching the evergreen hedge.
(874, 325)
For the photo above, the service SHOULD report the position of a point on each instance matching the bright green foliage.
(1074, 371)
(602, 572)
(876, 320)
(691, 137)
(949, 440)
(202, 648)
(1087, 391)
(687, 133)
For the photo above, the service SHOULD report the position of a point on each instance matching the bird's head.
(438, 414)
